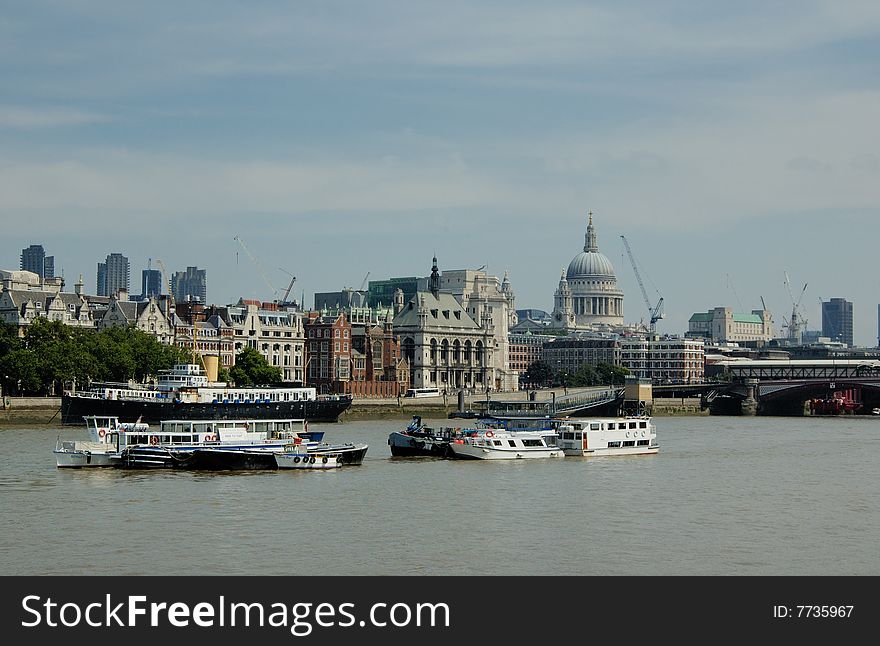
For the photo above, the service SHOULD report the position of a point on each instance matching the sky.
(731, 143)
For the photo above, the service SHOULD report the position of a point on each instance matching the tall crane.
(797, 323)
(257, 263)
(364, 282)
(656, 312)
(289, 286)
(165, 277)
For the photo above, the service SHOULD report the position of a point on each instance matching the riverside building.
(722, 325)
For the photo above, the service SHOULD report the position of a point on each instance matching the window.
(497, 442)
(629, 443)
(642, 443)
(512, 443)
(532, 442)
(613, 445)
(337, 333)
(345, 334)
(611, 426)
(594, 426)
(336, 345)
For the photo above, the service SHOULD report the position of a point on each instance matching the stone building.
(587, 298)
(722, 324)
(525, 349)
(24, 296)
(277, 333)
(445, 347)
(664, 359)
(203, 330)
(568, 354)
(152, 316)
(378, 370)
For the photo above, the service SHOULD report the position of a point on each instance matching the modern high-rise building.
(114, 274)
(837, 320)
(151, 283)
(34, 259)
(190, 285)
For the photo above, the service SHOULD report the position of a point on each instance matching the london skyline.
(728, 144)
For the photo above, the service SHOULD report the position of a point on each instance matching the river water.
(725, 495)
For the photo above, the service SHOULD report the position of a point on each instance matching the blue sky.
(729, 142)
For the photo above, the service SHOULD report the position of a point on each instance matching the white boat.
(608, 436)
(489, 444)
(102, 449)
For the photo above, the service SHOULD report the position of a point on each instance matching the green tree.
(539, 372)
(586, 375)
(251, 369)
(610, 374)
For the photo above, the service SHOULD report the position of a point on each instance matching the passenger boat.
(608, 436)
(184, 393)
(489, 444)
(102, 449)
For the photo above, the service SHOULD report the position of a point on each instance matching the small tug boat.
(421, 440)
(488, 444)
(611, 436)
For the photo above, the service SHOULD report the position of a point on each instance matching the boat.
(419, 439)
(102, 449)
(185, 393)
(296, 456)
(489, 444)
(608, 436)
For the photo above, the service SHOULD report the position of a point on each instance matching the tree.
(610, 374)
(539, 373)
(251, 369)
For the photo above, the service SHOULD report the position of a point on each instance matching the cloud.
(39, 117)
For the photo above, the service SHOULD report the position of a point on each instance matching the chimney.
(78, 286)
(122, 295)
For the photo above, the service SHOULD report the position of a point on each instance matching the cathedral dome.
(589, 263)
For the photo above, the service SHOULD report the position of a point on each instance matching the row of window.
(337, 333)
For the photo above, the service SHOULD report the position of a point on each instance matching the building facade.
(328, 352)
(525, 349)
(114, 274)
(34, 259)
(722, 325)
(664, 360)
(378, 370)
(202, 330)
(190, 285)
(24, 297)
(568, 354)
(277, 333)
(152, 316)
(587, 297)
(837, 320)
(444, 346)
(151, 283)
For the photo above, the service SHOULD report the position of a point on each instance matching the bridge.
(786, 387)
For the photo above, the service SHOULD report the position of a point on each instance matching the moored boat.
(608, 436)
(184, 393)
(499, 444)
(102, 449)
(421, 440)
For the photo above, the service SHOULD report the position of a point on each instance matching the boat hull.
(405, 445)
(297, 461)
(225, 460)
(75, 407)
(629, 450)
(83, 459)
(471, 452)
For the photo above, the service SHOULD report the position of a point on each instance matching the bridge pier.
(749, 405)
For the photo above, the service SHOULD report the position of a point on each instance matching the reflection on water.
(724, 496)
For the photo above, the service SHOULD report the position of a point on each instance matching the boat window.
(497, 442)
(611, 426)
(512, 443)
(594, 427)
(577, 436)
(643, 424)
(629, 443)
(532, 442)
(632, 424)
(642, 443)
(613, 445)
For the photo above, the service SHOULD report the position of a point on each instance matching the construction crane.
(289, 286)
(165, 277)
(656, 312)
(797, 323)
(364, 282)
(258, 265)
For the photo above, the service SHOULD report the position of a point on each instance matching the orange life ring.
(490, 434)
(101, 433)
(154, 440)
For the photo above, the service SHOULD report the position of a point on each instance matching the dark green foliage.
(602, 374)
(51, 354)
(539, 373)
(252, 369)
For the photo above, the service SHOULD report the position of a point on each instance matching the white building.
(587, 298)
(722, 324)
(278, 334)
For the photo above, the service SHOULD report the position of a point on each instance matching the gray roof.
(441, 312)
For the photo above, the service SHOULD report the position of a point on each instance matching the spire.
(591, 243)
(434, 283)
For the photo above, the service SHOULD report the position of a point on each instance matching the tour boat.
(102, 449)
(608, 436)
(488, 444)
(185, 393)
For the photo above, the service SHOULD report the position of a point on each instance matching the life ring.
(154, 440)
(490, 434)
(324, 459)
(296, 460)
(627, 433)
(312, 460)
(101, 433)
